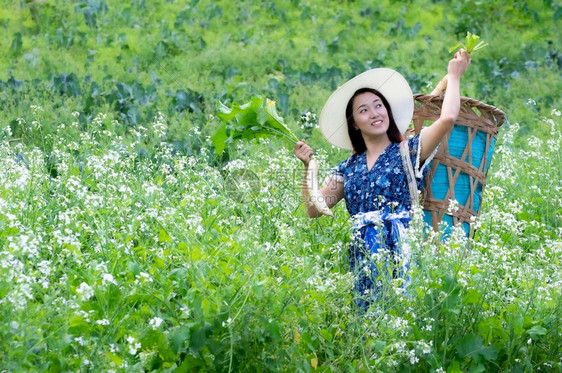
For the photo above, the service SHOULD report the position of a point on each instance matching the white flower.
(134, 346)
(155, 322)
(85, 291)
(36, 108)
(142, 277)
(108, 277)
(81, 341)
(453, 206)
(185, 311)
(224, 324)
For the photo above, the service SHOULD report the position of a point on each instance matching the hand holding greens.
(259, 118)
(471, 45)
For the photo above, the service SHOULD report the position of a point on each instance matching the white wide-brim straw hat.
(392, 85)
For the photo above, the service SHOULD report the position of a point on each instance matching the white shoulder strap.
(409, 171)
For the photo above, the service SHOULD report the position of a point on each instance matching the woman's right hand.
(303, 152)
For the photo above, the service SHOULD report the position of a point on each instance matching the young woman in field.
(369, 115)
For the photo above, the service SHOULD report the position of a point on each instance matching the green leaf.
(480, 45)
(455, 367)
(261, 116)
(187, 100)
(536, 331)
(254, 119)
(472, 43)
(219, 140)
(455, 47)
(134, 268)
(472, 297)
(163, 236)
(473, 346)
(17, 43)
(224, 112)
(199, 337)
(517, 325)
(114, 359)
(480, 368)
(77, 321)
(326, 334)
(178, 338)
(155, 339)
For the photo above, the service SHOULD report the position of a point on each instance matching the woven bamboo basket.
(458, 171)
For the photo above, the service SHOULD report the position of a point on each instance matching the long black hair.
(355, 134)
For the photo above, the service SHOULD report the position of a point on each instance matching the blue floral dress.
(379, 202)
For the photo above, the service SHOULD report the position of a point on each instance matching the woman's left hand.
(450, 108)
(459, 64)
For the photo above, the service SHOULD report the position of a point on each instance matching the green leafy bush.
(128, 244)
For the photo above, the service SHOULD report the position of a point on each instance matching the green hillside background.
(128, 244)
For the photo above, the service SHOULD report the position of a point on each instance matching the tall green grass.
(115, 260)
(127, 244)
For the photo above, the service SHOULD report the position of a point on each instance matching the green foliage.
(472, 43)
(128, 244)
(257, 118)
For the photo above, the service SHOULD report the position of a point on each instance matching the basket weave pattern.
(459, 168)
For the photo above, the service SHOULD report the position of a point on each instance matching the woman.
(369, 115)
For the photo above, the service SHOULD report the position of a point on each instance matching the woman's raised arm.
(433, 134)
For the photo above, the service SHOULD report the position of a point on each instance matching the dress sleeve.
(337, 173)
(415, 154)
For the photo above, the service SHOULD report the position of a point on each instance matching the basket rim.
(498, 114)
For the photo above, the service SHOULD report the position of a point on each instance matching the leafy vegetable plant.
(259, 118)
(472, 43)
(254, 119)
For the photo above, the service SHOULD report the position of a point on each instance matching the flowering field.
(127, 244)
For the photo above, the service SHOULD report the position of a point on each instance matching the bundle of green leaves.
(257, 118)
(472, 43)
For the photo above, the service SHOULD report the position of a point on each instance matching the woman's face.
(370, 115)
